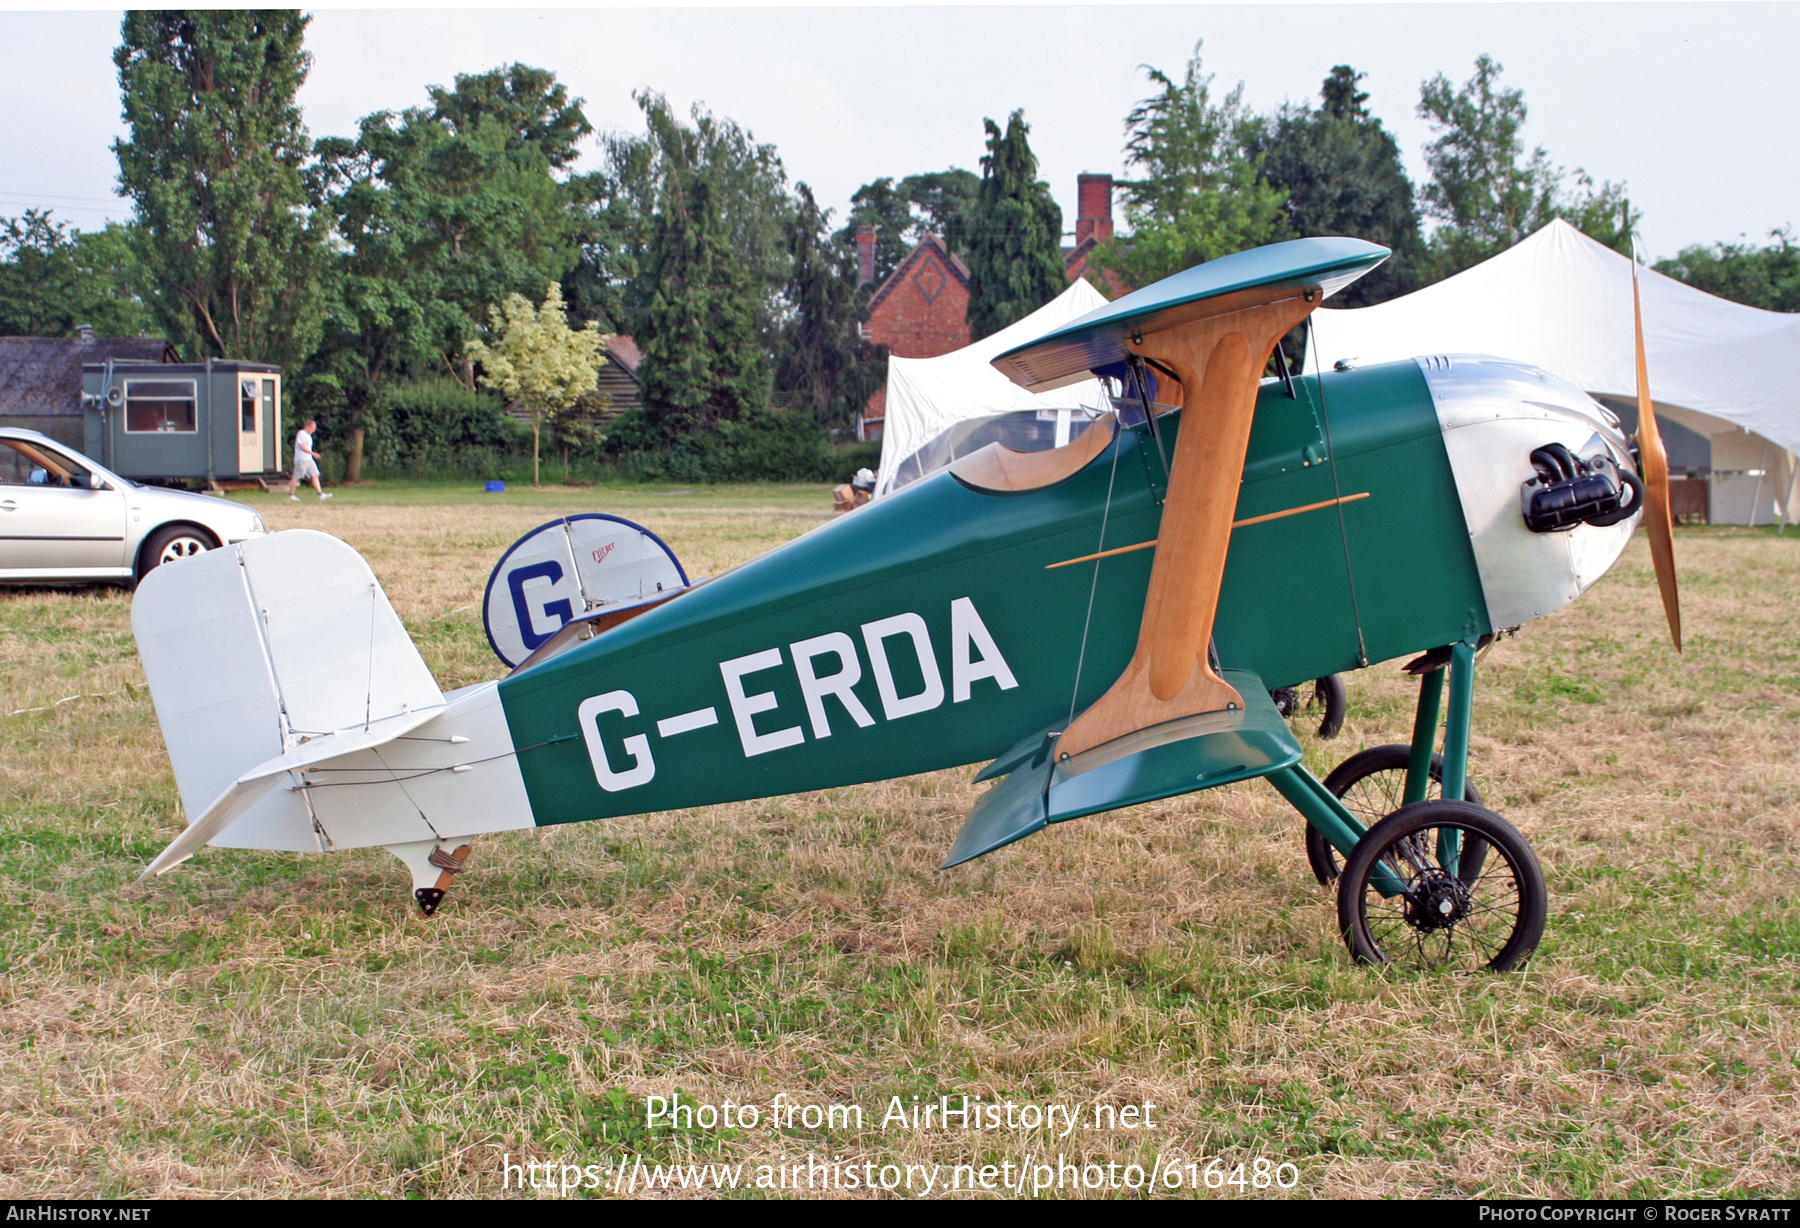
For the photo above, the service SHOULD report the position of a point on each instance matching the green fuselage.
(925, 631)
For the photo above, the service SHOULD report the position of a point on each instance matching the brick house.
(1093, 226)
(921, 310)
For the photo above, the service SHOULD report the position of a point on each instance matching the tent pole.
(1762, 468)
(1787, 495)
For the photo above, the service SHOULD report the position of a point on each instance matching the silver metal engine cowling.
(1494, 413)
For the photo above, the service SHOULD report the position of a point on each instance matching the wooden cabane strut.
(1218, 362)
(1213, 328)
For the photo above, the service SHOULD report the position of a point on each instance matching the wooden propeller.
(1658, 516)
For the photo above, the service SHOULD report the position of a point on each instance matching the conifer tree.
(227, 236)
(1015, 234)
(1341, 173)
(703, 354)
(826, 370)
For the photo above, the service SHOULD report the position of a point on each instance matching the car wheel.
(173, 543)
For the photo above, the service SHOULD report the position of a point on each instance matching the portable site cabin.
(214, 421)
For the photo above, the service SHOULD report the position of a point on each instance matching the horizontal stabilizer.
(1179, 756)
(250, 788)
(1011, 810)
(1025, 749)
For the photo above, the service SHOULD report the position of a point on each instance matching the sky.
(1690, 105)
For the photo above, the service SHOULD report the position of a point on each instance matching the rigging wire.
(1118, 445)
(376, 751)
(1312, 347)
(369, 689)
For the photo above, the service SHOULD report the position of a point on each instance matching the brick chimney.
(1093, 208)
(865, 255)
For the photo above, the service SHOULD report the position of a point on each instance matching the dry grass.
(278, 1024)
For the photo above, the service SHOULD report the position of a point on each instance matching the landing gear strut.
(1442, 884)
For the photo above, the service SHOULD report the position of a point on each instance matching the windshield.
(1031, 430)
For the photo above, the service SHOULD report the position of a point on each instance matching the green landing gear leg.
(1441, 885)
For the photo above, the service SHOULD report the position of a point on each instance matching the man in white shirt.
(306, 462)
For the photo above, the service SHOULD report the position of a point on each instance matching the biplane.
(1100, 623)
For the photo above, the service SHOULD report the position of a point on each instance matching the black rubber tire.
(1372, 784)
(1331, 696)
(172, 542)
(1326, 696)
(1440, 923)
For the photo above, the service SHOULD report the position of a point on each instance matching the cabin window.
(159, 405)
(247, 406)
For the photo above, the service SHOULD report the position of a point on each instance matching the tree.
(528, 105)
(826, 370)
(1015, 234)
(1766, 277)
(1199, 193)
(577, 427)
(695, 227)
(885, 207)
(1341, 173)
(746, 188)
(227, 237)
(1484, 190)
(54, 279)
(938, 202)
(440, 212)
(385, 312)
(537, 359)
(943, 201)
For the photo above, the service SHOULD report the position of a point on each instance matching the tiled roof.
(42, 375)
(623, 351)
(923, 250)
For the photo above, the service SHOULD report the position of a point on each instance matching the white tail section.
(279, 671)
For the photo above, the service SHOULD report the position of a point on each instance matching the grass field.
(276, 1024)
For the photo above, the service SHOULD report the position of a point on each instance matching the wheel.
(1438, 920)
(1331, 699)
(1372, 785)
(1325, 696)
(172, 543)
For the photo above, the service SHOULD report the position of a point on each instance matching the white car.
(64, 518)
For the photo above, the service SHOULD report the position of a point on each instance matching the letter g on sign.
(637, 746)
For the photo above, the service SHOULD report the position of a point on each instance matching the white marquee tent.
(1561, 301)
(928, 396)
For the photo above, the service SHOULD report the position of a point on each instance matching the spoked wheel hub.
(1411, 895)
(1436, 901)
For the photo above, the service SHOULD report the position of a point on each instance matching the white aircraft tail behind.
(298, 714)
